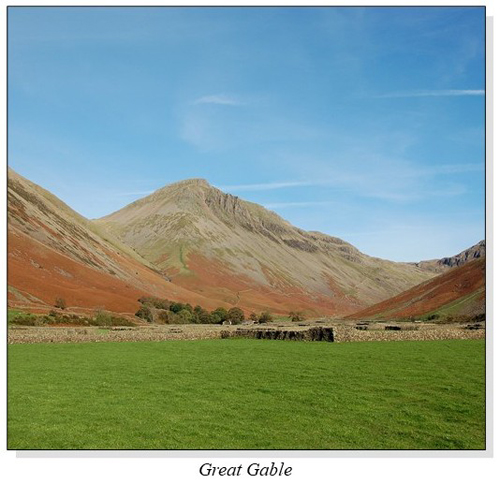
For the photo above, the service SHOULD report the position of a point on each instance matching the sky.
(363, 123)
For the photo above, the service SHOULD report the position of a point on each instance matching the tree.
(236, 315)
(176, 307)
(204, 317)
(155, 302)
(254, 317)
(265, 317)
(214, 318)
(184, 316)
(219, 315)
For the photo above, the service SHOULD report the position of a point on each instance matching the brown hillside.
(54, 252)
(459, 291)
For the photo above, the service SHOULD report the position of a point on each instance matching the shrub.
(179, 318)
(27, 320)
(236, 315)
(104, 318)
(145, 313)
(296, 316)
(265, 317)
(254, 317)
(164, 316)
(60, 303)
(155, 302)
(101, 318)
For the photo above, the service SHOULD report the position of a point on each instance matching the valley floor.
(247, 394)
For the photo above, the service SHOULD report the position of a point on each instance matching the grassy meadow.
(247, 394)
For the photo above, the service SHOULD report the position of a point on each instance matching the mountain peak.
(195, 181)
(190, 182)
(186, 187)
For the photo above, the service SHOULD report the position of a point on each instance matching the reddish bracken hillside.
(459, 291)
(39, 274)
(53, 252)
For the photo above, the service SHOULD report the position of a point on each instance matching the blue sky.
(363, 123)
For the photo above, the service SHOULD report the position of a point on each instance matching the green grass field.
(247, 394)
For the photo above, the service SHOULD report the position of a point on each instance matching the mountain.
(459, 291)
(227, 249)
(474, 252)
(55, 252)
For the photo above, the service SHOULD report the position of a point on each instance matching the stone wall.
(311, 334)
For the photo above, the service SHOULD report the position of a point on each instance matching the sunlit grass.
(247, 394)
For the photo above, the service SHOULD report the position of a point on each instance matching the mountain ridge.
(189, 227)
(474, 252)
(191, 242)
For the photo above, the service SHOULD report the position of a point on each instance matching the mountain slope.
(460, 291)
(475, 252)
(222, 247)
(55, 252)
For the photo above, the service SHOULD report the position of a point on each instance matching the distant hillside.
(474, 252)
(460, 291)
(225, 248)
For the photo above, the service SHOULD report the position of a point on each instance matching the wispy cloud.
(435, 93)
(392, 182)
(222, 99)
(403, 181)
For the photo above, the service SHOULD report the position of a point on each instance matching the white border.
(386, 467)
